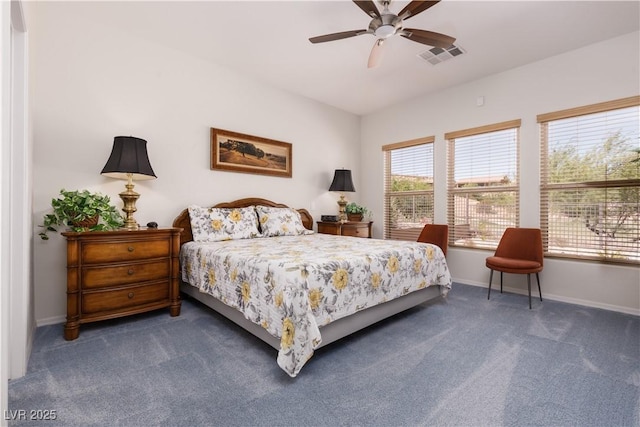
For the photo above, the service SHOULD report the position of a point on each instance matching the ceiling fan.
(386, 24)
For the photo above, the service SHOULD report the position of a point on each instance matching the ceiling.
(268, 41)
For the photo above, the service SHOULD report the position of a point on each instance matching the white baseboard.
(50, 321)
(553, 297)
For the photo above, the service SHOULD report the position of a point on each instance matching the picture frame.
(238, 152)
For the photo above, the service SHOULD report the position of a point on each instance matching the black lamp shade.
(342, 181)
(128, 156)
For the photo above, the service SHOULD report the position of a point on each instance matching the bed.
(259, 264)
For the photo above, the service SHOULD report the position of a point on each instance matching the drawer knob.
(130, 272)
(130, 248)
(130, 295)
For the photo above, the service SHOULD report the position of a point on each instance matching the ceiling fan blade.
(376, 54)
(416, 7)
(337, 36)
(369, 7)
(428, 37)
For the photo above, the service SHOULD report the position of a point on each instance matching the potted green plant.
(81, 210)
(355, 212)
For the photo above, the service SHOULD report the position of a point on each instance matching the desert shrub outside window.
(590, 181)
(483, 184)
(408, 195)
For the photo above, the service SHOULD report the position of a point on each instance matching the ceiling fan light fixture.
(385, 31)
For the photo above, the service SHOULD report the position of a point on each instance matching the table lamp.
(129, 160)
(342, 182)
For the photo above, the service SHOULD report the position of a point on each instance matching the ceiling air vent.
(437, 55)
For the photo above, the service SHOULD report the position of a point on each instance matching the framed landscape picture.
(237, 152)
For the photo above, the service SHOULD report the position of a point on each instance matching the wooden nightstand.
(118, 273)
(355, 229)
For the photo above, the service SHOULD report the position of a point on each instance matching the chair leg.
(490, 278)
(529, 286)
(501, 282)
(539, 291)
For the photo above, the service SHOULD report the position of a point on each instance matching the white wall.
(91, 83)
(601, 72)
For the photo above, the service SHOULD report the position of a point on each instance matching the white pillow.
(280, 221)
(216, 224)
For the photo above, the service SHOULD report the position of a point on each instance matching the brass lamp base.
(129, 198)
(342, 203)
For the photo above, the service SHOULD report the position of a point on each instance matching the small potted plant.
(355, 212)
(81, 211)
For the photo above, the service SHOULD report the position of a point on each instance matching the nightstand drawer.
(349, 228)
(96, 252)
(101, 301)
(98, 277)
(356, 231)
(329, 228)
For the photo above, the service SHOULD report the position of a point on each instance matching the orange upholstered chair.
(519, 252)
(437, 234)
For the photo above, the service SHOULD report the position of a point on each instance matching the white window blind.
(483, 190)
(590, 181)
(408, 197)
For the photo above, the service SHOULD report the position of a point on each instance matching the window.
(590, 181)
(483, 190)
(408, 195)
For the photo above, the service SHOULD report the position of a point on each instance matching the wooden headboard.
(182, 220)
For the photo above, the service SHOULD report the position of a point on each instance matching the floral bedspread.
(293, 285)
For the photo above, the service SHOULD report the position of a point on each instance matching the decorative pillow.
(280, 222)
(216, 224)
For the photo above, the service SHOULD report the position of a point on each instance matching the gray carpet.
(463, 361)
